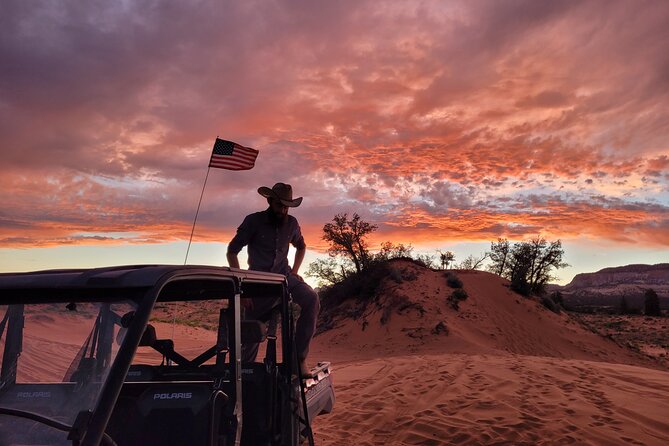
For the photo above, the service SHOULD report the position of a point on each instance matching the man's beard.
(277, 219)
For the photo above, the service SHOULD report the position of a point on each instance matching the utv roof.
(49, 284)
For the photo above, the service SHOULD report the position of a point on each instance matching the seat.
(166, 414)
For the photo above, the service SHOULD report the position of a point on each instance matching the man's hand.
(299, 257)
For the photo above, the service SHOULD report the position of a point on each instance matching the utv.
(151, 355)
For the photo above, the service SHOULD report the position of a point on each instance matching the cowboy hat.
(282, 192)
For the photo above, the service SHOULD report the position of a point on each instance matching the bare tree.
(499, 254)
(530, 264)
(445, 258)
(328, 271)
(545, 256)
(391, 251)
(472, 262)
(347, 238)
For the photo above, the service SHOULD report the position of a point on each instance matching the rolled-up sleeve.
(242, 237)
(298, 240)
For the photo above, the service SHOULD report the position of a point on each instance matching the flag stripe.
(239, 154)
(228, 163)
(224, 159)
(228, 167)
(246, 149)
(235, 158)
(232, 156)
(218, 163)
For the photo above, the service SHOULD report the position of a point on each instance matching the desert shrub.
(547, 302)
(426, 260)
(440, 328)
(400, 303)
(351, 296)
(408, 305)
(459, 294)
(362, 287)
(455, 297)
(396, 275)
(390, 251)
(452, 280)
(410, 274)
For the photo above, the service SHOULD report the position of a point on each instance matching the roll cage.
(145, 286)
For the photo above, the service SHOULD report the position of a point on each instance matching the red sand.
(509, 372)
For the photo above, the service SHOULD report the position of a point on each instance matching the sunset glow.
(447, 124)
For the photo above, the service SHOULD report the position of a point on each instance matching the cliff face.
(645, 276)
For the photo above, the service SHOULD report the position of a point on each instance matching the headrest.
(148, 337)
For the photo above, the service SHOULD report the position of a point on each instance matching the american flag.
(232, 156)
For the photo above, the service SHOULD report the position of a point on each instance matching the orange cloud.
(437, 121)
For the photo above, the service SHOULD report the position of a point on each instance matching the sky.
(448, 124)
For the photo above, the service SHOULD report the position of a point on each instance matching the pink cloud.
(432, 118)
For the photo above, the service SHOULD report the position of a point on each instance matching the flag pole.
(224, 155)
(197, 212)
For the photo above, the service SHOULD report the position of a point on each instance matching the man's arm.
(233, 261)
(241, 239)
(299, 257)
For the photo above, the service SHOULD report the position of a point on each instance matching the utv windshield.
(54, 360)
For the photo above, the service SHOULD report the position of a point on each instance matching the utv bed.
(150, 355)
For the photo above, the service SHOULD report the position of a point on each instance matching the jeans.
(309, 303)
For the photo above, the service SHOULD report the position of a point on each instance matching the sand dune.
(508, 372)
(493, 319)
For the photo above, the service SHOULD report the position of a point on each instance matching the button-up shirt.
(267, 242)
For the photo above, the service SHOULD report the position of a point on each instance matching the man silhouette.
(268, 235)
